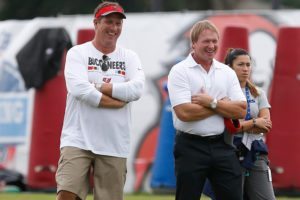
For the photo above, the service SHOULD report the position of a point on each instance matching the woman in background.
(249, 141)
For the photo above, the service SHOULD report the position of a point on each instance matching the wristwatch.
(98, 86)
(254, 122)
(214, 103)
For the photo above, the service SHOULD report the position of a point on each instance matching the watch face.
(213, 104)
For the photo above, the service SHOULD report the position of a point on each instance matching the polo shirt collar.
(190, 62)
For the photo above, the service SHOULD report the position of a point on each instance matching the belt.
(211, 138)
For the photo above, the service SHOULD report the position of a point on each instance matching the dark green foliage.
(16, 9)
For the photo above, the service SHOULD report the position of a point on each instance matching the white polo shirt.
(188, 78)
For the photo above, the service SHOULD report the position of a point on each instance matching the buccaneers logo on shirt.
(118, 67)
(106, 80)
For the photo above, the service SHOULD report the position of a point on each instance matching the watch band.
(214, 103)
(254, 122)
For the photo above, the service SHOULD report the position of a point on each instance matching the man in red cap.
(102, 80)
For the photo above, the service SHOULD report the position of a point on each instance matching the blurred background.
(14, 9)
(35, 35)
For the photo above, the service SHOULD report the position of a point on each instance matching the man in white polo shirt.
(203, 92)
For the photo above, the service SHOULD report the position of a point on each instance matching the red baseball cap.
(109, 9)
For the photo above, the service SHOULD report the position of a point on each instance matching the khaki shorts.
(74, 171)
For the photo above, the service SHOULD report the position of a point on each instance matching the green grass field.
(38, 196)
(45, 196)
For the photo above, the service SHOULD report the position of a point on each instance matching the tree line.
(16, 9)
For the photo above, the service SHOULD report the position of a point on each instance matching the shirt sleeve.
(263, 100)
(77, 81)
(132, 89)
(178, 87)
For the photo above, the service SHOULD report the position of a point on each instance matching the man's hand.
(109, 102)
(105, 88)
(202, 99)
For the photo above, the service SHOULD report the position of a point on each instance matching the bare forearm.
(231, 109)
(106, 88)
(248, 126)
(225, 107)
(191, 112)
(256, 125)
(109, 102)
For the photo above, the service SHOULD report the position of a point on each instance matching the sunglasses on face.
(104, 66)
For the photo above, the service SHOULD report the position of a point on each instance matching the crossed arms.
(199, 108)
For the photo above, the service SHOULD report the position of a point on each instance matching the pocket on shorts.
(61, 157)
(60, 160)
(58, 174)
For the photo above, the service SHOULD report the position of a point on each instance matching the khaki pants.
(73, 174)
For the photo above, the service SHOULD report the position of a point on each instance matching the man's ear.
(95, 22)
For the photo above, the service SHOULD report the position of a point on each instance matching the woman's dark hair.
(231, 55)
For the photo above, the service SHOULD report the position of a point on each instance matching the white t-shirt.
(256, 104)
(188, 78)
(101, 130)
